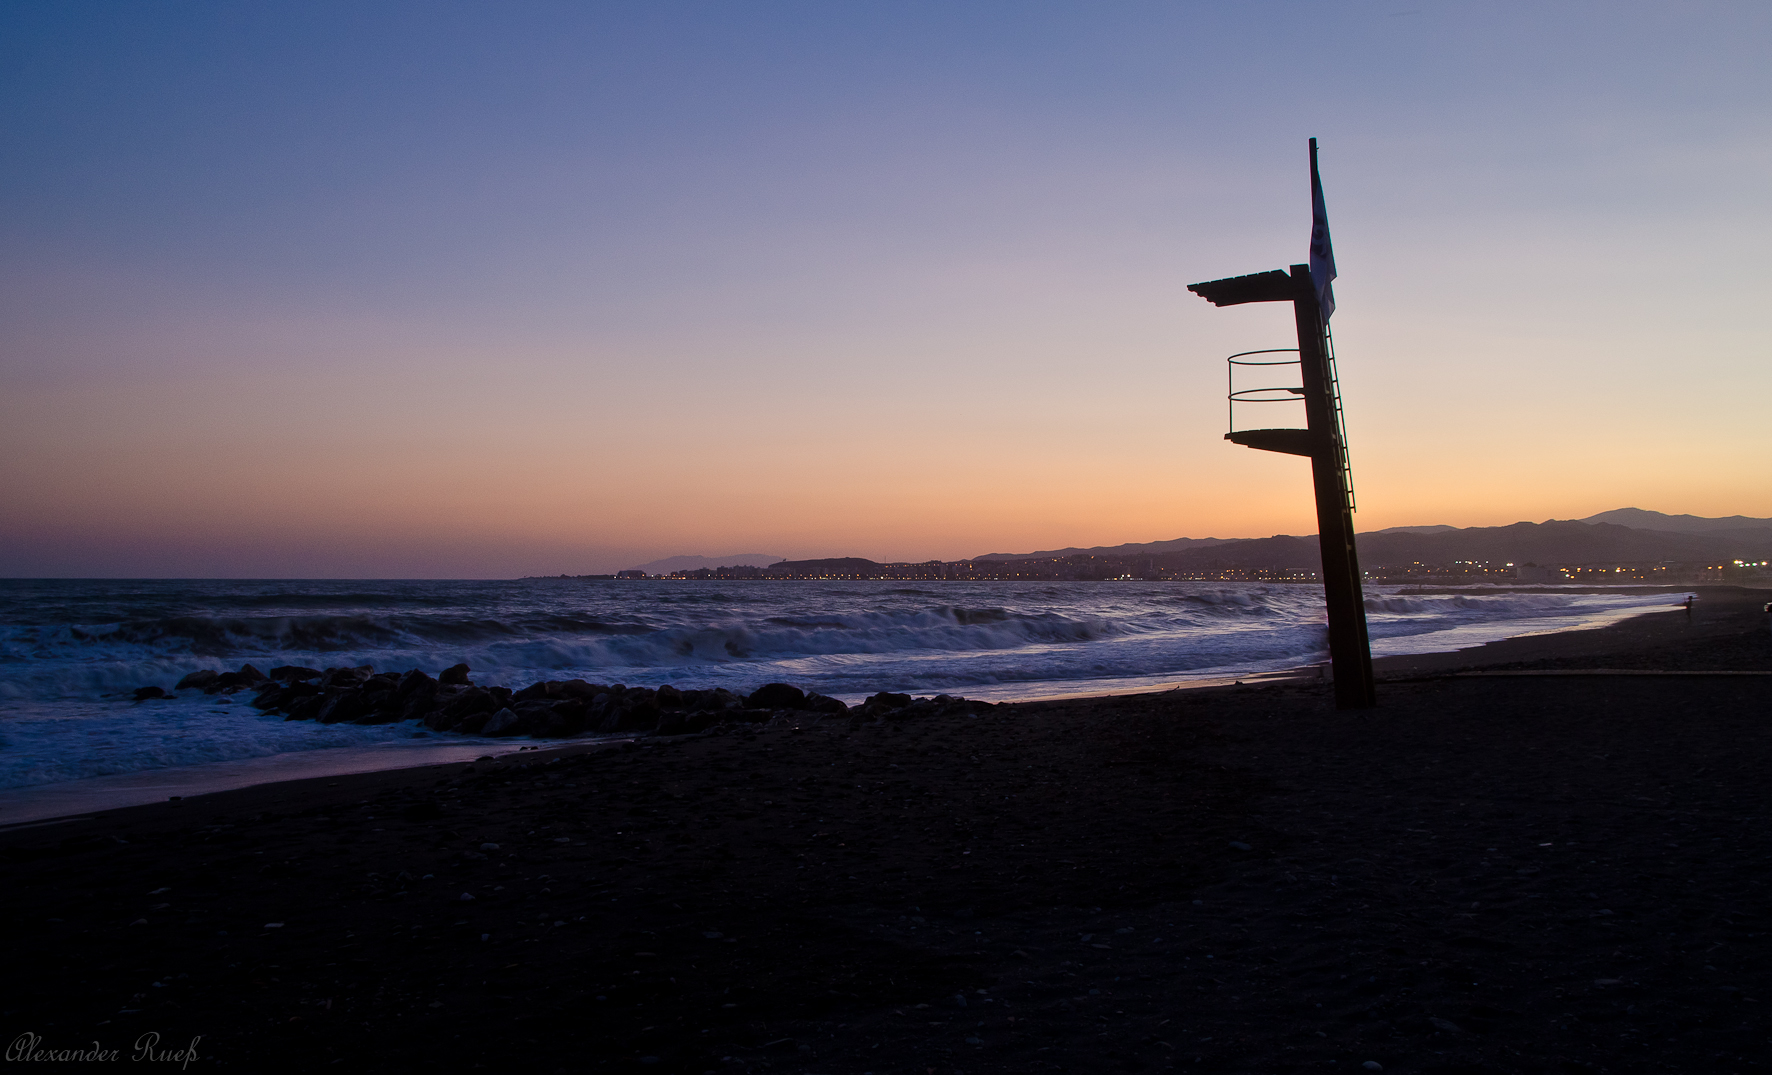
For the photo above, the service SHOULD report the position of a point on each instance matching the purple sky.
(486, 290)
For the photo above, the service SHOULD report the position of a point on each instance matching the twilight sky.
(347, 289)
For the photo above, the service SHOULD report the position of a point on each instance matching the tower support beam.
(1350, 648)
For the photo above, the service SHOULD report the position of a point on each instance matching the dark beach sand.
(1540, 873)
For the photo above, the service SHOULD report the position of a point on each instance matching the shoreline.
(1484, 873)
(1719, 609)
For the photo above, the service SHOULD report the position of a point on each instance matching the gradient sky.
(348, 289)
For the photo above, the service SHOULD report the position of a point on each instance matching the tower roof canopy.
(1273, 286)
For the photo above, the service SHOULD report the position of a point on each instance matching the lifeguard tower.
(1263, 382)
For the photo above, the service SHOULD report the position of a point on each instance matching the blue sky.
(470, 289)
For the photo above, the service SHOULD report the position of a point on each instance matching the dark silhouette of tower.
(1323, 440)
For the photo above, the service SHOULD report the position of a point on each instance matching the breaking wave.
(71, 652)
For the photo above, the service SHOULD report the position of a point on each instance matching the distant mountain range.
(1415, 529)
(1638, 519)
(1622, 535)
(1548, 543)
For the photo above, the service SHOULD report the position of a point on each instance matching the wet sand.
(1484, 874)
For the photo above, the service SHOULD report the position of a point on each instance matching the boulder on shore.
(776, 696)
(346, 677)
(199, 679)
(247, 676)
(819, 703)
(502, 723)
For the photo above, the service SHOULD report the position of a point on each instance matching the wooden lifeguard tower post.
(1323, 440)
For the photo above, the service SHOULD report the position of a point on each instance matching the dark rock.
(414, 680)
(346, 677)
(953, 705)
(308, 708)
(346, 705)
(142, 694)
(578, 688)
(637, 716)
(502, 694)
(668, 697)
(382, 708)
(456, 674)
(472, 723)
(291, 673)
(818, 703)
(274, 697)
(681, 722)
(546, 720)
(776, 696)
(718, 698)
(251, 676)
(227, 681)
(619, 716)
(198, 679)
(502, 723)
(922, 707)
(474, 701)
(537, 690)
(887, 700)
(419, 700)
(574, 714)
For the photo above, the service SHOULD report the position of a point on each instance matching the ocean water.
(72, 651)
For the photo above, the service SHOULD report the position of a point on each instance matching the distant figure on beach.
(1688, 606)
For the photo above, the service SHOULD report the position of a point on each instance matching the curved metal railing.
(1261, 393)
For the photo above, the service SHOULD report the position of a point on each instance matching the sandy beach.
(1488, 873)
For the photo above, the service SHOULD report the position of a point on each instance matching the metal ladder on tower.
(1347, 468)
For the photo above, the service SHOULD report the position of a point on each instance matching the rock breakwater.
(552, 709)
